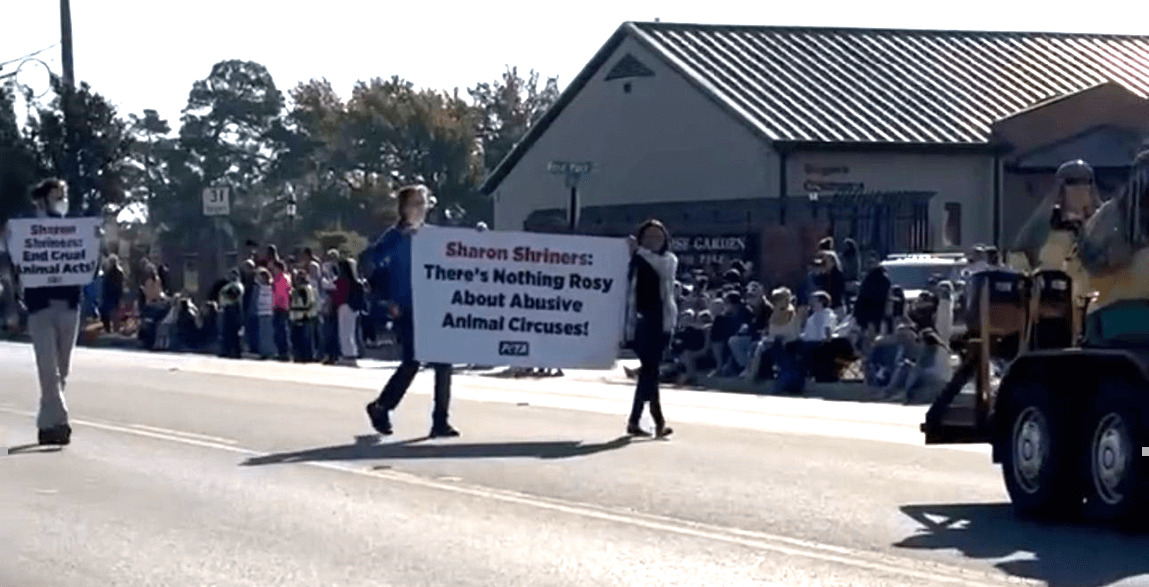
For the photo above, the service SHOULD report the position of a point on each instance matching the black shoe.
(663, 431)
(57, 436)
(443, 431)
(380, 419)
(636, 430)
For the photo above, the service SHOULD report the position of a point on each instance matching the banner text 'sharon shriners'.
(518, 298)
(49, 252)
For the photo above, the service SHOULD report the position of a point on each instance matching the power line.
(30, 55)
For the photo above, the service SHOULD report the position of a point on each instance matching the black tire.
(1038, 453)
(1113, 470)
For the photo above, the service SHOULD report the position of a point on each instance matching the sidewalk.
(848, 391)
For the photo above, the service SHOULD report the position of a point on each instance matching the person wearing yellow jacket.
(304, 314)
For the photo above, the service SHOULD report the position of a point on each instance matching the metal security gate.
(882, 222)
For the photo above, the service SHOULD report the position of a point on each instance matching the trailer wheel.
(1037, 462)
(1115, 480)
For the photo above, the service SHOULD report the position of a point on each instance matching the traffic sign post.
(217, 201)
(216, 205)
(572, 171)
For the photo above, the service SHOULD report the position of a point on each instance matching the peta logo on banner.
(513, 348)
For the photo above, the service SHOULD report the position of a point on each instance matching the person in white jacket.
(652, 315)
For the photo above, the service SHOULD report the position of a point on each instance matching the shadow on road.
(367, 448)
(25, 449)
(1061, 555)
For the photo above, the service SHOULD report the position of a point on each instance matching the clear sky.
(146, 53)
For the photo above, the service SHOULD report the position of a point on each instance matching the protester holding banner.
(652, 314)
(393, 251)
(54, 261)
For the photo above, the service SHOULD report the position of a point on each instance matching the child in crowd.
(265, 313)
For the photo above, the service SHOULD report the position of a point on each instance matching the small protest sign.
(53, 252)
(517, 298)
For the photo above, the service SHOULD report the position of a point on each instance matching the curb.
(844, 391)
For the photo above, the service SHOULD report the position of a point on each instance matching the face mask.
(58, 208)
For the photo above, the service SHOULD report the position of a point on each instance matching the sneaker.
(444, 431)
(57, 436)
(380, 419)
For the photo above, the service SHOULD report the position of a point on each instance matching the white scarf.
(666, 266)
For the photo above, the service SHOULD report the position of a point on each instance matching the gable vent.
(628, 66)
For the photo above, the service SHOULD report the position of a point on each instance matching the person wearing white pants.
(53, 323)
(348, 296)
(348, 322)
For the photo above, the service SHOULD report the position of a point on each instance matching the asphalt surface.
(194, 471)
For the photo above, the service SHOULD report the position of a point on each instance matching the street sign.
(216, 201)
(569, 167)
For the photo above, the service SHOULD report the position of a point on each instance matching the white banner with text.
(53, 252)
(518, 298)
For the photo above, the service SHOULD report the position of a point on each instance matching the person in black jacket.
(652, 313)
(53, 323)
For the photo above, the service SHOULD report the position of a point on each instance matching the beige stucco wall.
(665, 141)
(965, 179)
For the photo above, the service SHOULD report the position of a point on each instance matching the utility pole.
(71, 171)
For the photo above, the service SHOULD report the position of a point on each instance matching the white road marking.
(905, 567)
(186, 434)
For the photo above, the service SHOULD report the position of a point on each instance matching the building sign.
(699, 251)
(826, 178)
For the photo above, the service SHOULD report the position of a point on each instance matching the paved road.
(192, 471)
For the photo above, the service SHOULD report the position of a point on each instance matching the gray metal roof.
(871, 87)
(906, 86)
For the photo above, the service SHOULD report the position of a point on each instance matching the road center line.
(215, 439)
(884, 563)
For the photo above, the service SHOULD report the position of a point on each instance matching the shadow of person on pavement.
(364, 449)
(25, 449)
(1061, 555)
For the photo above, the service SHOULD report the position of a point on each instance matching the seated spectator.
(734, 320)
(931, 372)
(690, 347)
(782, 329)
(886, 362)
(743, 346)
(820, 326)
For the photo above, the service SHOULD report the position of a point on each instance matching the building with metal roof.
(765, 128)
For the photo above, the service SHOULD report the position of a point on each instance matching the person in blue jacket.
(391, 253)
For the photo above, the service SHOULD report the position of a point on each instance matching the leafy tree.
(151, 144)
(415, 134)
(100, 139)
(507, 108)
(18, 165)
(225, 138)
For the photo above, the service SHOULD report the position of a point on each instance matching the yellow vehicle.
(1069, 414)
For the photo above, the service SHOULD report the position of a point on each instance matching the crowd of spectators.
(846, 321)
